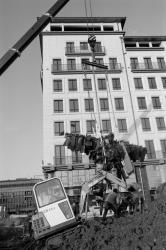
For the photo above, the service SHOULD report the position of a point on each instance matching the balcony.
(152, 67)
(99, 51)
(69, 163)
(81, 68)
(67, 160)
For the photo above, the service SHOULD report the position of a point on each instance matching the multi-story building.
(129, 98)
(17, 196)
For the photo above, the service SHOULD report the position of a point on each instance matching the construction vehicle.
(54, 215)
(54, 212)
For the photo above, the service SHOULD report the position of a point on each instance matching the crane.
(13, 53)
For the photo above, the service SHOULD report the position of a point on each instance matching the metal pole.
(86, 207)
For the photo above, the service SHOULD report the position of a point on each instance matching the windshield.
(49, 192)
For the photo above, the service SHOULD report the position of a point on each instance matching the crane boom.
(12, 54)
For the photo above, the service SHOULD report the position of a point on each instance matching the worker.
(99, 195)
(111, 202)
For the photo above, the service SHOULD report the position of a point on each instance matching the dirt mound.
(142, 231)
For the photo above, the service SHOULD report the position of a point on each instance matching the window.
(134, 63)
(60, 155)
(119, 104)
(85, 66)
(141, 103)
(89, 105)
(152, 83)
(143, 44)
(148, 63)
(57, 65)
(76, 157)
(151, 154)
(72, 84)
(156, 102)
(102, 84)
(87, 84)
(71, 64)
(58, 128)
(82, 28)
(83, 46)
(58, 106)
(55, 28)
(160, 123)
(113, 63)
(161, 63)
(163, 79)
(104, 104)
(156, 44)
(73, 104)
(99, 60)
(122, 125)
(116, 83)
(130, 45)
(91, 126)
(108, 28)
(98, 47)
(145, 124)
(163, 147)
(106, 126)
(75, 126)
(70, 47)
(138, 83)
(57, 85)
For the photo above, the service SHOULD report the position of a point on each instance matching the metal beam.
(94, 64)
(29, 36)
(161, 161)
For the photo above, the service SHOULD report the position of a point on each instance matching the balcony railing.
(69, 160)
(154, 66)
(80, 68)
(99, 50)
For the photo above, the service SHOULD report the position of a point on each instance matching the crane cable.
(86, 12)
(92, 113)
(93, 72)
(91, 16)
(108, 97)
(113, 112)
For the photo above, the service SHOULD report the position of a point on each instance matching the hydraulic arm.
(29, 36)
(101, 175)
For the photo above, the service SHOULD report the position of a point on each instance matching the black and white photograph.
(82, 125)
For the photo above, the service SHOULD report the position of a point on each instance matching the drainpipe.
(128, 83)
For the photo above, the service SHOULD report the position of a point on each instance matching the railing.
(69, 160)
(150, 66)
(79, 50)
(82, 67)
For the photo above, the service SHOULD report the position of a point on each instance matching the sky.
(20, 86)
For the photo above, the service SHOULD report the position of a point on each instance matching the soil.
(140, 231)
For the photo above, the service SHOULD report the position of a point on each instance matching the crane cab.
(54, 212)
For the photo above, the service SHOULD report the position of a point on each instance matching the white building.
(129, 98)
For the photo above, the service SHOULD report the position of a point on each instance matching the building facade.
(129, 98)
(17, 196)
